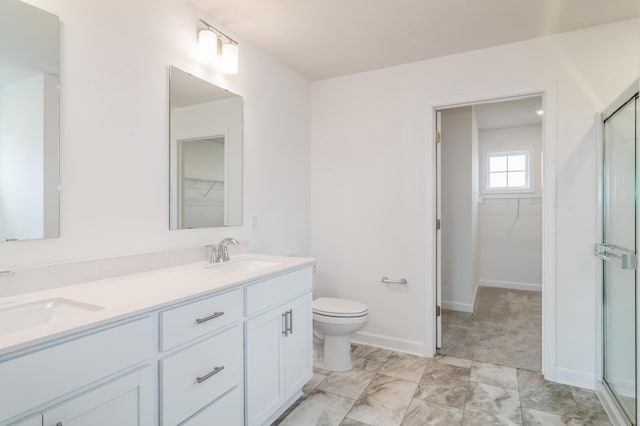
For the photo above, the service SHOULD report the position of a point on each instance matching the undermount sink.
(24, 316)
(248, 265)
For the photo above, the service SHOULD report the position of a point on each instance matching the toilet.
(334, 321)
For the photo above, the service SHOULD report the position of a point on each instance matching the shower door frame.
(548, 94)
(610, 404)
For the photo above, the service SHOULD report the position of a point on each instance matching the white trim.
(597, 269)
(624, 387)
(577, 378)
(611, 406)
(548, 154)
(462, 307)
(391, 343)
(513, 285)
(457, 306)
(475, 296)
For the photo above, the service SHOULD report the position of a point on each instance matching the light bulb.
(229, 58)
(208, 44)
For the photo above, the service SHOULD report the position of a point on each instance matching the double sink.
(24, 316)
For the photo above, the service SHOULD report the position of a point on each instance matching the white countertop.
(135, 294)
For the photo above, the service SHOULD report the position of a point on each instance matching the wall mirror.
(29, 123)
(205, 154)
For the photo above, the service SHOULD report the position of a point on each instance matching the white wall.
(458, 222)
(22, 159)
(510, 253)
(510, 237)
(115, 143)
(371, 184)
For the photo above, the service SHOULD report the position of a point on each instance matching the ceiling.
(328, 38)
(511, 113)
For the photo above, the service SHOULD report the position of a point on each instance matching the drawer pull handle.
(210, 317)
(285, 324)
(208, 375)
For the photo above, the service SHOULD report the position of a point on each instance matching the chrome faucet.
(220, 252)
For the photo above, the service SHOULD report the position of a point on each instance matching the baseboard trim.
(624, 387)
(475, 296)
(511, 285)
(385, 342)
(456, 306)
(575, 378)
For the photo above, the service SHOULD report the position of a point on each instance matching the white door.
(298, 344)
(128, 401)
(438, 232)
(264, 362)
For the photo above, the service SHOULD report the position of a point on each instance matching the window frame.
(486, 172)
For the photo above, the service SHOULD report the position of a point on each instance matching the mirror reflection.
(205, 154)
(29, 117)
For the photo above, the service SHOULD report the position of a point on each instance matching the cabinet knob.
(59, 424)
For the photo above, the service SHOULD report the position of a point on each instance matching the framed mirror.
(205, 152)
(29, 123)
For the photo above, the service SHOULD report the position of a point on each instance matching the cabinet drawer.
(39, 377)
(181, 394)
(227, 411)
(275, 290)
(184, 323)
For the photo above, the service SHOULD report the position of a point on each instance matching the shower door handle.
(627, 259)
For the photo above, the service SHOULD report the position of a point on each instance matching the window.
(507, 171)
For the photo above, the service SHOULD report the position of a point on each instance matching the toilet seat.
(339, 308)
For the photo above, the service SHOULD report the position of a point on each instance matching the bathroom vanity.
(197, 344)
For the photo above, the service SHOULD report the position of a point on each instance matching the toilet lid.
(339, 307)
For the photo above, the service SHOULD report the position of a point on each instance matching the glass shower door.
(618, 251)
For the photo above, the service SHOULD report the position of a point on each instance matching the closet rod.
(203, 180)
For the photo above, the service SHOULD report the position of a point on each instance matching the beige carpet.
(505, 329)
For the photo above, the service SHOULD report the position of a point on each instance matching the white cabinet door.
(298, 356)
(226, 411)
(278, 365)
(127, 401)
(264, 361)
(31, 421)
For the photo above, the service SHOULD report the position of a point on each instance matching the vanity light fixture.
(222, 49)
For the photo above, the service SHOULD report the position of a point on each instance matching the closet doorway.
(489, 232)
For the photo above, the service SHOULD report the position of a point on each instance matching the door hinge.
(437, 311)
(437, 224)
(437, 137)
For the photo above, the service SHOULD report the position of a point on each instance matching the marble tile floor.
(505, 328)
(389, 388)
